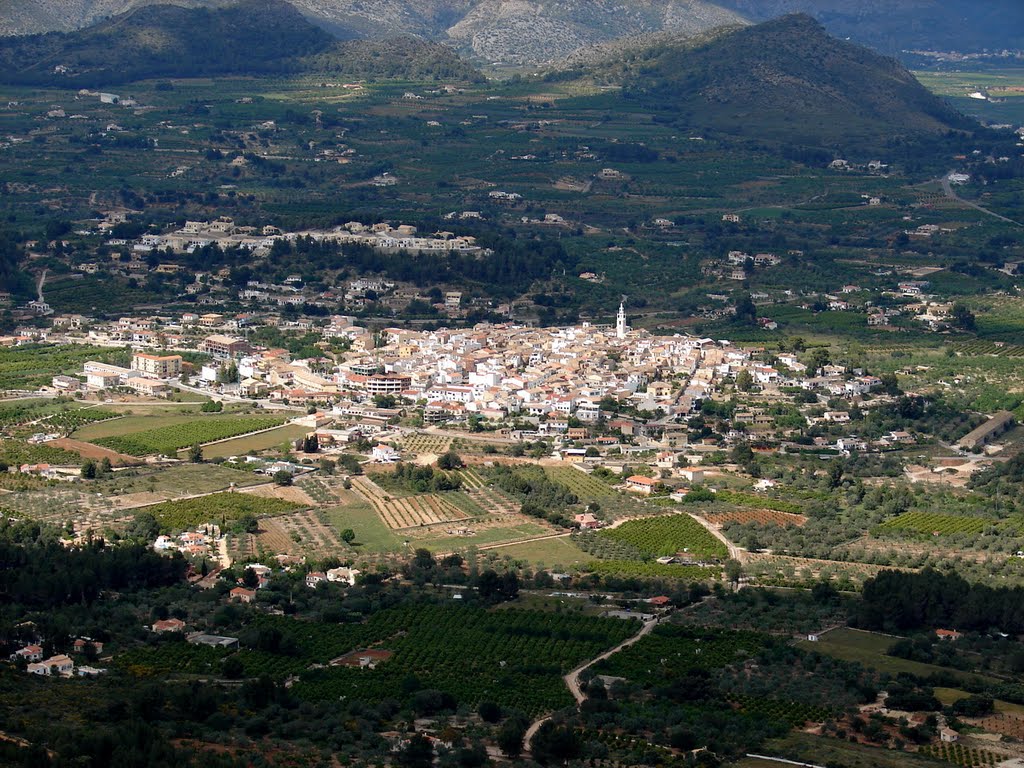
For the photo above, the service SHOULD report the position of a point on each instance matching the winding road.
(572, 679)
(947, 188)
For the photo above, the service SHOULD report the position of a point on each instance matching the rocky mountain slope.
(540, 31)
(507, 31)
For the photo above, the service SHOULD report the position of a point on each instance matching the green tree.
(744, 381)
(510, 737)
(89, 469)
(963, 318)
(348, 535)
(449, 461)
(283, 477)
(195, 453)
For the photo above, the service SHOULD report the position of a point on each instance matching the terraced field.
(410, 511)
(302, 533)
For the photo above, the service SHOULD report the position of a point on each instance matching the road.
(947, 188)
(572, 680)
(736, 553)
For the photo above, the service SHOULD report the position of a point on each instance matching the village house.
(641, 484)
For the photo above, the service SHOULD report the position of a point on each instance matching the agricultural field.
(758, 516)
(407, 512)
(423, 443)
(165, 483)
(633, 569)
(302, 533)
(936, 524)
(460, 650)
(170, 439)
(354, 512)
(963, 755)
(871, 650)
(782, 570)
(559, 553)
(672, 650)
(219, 508)
(497, 532)
(667, 535)
(30, 366)
(484, 501)
(584, 486)
(263, 441)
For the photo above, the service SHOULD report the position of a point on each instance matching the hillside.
(252, 37)
(536, 32)
(403, 57)
(787, 79)
(508, 31)
(893, 26)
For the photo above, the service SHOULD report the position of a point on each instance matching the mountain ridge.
(787, 80)
(519, 32)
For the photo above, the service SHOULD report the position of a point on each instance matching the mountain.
(508, 31)
(894, 26)
(542, 31)
(251, 37)
(787, 80)
(405, 57)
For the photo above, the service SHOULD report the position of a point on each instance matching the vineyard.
(959, 754)
(410, 511)
(758, 516)
(936, 524)
(999, 349)
(421, 442)
(168, 440)
(584, 486)
(14, 452)
(668, 535)
(218, 508)
(635, 569)
(763, 502)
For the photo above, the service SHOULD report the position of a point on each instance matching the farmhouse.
(55, 665)
(640, 484)
(987, 432)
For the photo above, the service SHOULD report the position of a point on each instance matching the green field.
(261, 442)
(137, 422)
(547, 552)
(371, 533)
(443, 543)
(219, 508)
(167, 439)
(869, 648)
(180, 480)
(667, 535)
(818, 750)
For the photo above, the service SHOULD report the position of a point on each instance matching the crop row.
(633, 569)
(672, 651)
(220, 508)
(668, 535)
(936, 524)
(168, 440)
